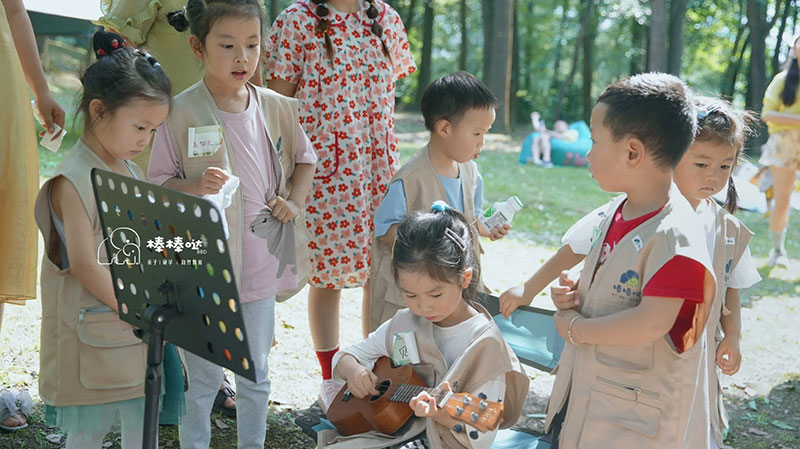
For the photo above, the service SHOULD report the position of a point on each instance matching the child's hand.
(499, 232)
(283, 210)
(361, 382)
(211, 181)
(511, 299)
(729, 346)
(424, 405)
(562, 318)
(565, 296)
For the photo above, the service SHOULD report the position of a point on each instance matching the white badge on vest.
(637, 243)
(404, 349)
(730, 241)
(205, 140)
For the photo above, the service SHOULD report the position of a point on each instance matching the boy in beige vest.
(634, 374)
(458, 111)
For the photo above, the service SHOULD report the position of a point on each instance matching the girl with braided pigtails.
(341, 60)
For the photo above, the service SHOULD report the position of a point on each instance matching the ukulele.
(389, 410)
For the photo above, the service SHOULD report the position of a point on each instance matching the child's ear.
(466, 278)
(197, 46)
(97, 109)
(443, 127)
(636, 151)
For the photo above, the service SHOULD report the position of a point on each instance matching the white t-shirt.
(452, 342)
(744, 274)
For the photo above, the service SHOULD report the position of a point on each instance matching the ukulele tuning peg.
(474, 417)
(458, 428)
(483, 405)
(482, 395)
(474, 434)
(459, 410)
(467, 400)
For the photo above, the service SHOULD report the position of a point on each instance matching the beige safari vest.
(487, 357)
(194, 107)
(731, 243)
(86, 357)
(642, 396)
(422, 187)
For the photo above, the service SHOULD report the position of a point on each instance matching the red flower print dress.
(347, 111)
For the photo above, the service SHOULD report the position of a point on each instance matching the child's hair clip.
(455, 238)
(440, 206)
(702, 113)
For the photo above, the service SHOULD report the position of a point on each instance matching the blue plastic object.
(517, 439)
(563, 152)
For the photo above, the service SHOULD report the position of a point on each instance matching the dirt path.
(770, 343)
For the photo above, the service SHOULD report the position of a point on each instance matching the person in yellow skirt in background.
(20, 69)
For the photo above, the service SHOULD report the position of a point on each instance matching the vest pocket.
(110, 356)
(629, 358)
(612, 421)
(195, 166)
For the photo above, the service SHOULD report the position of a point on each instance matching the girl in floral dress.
(341, 59)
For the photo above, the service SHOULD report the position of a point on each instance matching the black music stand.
(172, 276)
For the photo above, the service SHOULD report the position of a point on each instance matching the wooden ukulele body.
(352, 415)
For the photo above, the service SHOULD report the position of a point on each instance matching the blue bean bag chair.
(563, 152)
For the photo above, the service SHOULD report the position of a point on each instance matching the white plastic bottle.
(500, 213)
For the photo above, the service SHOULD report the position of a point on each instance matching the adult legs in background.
(783, 183)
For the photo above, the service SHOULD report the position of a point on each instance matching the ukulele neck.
(405, 392)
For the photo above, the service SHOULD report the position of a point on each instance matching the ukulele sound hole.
(382, 388)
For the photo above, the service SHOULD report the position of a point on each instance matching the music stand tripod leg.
(158, 317)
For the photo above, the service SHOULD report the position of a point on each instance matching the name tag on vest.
(205, 140)
(404, 349)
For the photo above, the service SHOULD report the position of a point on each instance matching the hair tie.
(440, 206)
(450, 234)
(106, 43)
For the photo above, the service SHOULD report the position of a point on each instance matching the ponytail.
(732, 198)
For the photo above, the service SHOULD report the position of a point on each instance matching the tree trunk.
(588, 45)
(462, 57)
(776, 55)
(274, 10)
(734, 70)
(487, 17)
(408, 20)
(515, 68)
(657, 55)
(424, 78)
(498, 77)
(562, 90)
(639, 57)
(559, 37)
(677, 16)
(757, 82)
